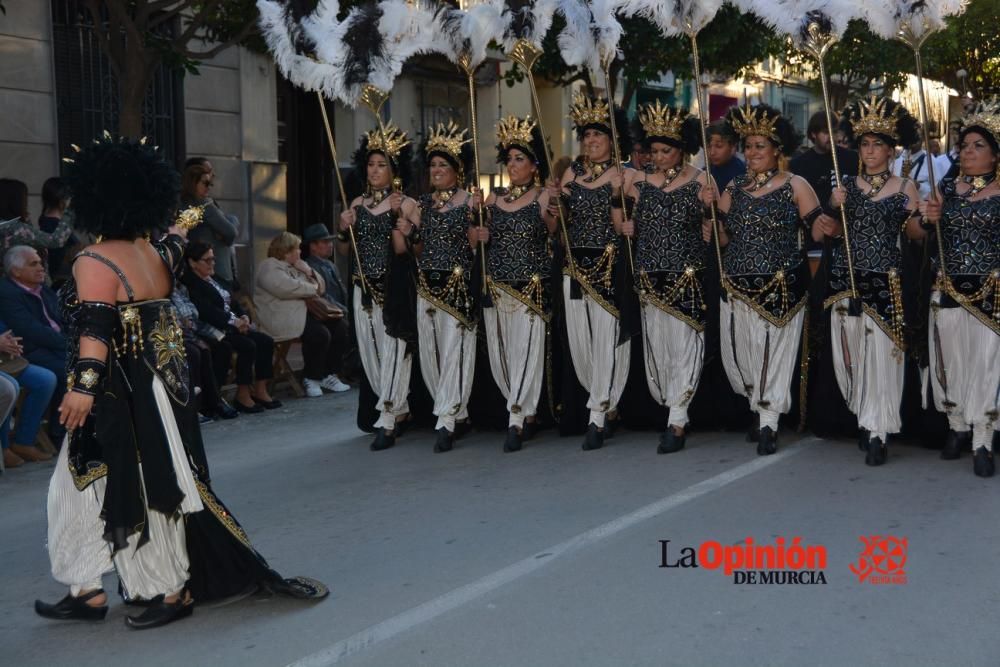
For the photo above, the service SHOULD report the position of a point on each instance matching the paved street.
(549, 556)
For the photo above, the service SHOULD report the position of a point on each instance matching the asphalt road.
(551, 556)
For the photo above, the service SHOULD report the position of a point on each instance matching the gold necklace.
(515, 192)
(669, 175)
(759, 180)
(877, 181)
(379, 195)
(597, 169)
(442, 197)
(978, 183)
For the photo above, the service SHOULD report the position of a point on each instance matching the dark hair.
(978, 129)
(196, 250)
(689, 141)
(402, 166)
(621, 125)
(122, 189)
(907, 127)
(720, 129)
(13, 199)
(192, 161)
(535, 150)
(190, 179)
(817, 124)
(54, 193)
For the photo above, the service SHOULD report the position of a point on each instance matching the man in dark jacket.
(317, 243)
(31, 310)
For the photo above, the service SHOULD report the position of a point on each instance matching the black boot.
(955, 444)
(73, 608)
(383, 440)
(529, 430)
(863, 437)
(768, 442)
(160, 613)
(445, 440)
(982, 462)
(594, 438)
(670, 442)
(513, 441)
(877, 452)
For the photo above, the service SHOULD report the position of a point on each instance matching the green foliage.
(970, 42)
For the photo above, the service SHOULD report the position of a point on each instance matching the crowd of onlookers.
(231, 332)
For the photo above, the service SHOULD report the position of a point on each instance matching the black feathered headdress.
(656, 123)
(394, 145)
(764, 121)
(524, 135)
(121, 188)
(882, 117)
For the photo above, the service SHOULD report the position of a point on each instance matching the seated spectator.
(31, 309)
(217, 228)
(284, 283)
(15, 221)
(199, 355)
(55, 199)
(39, 384)
(317, 242)
(254, 350)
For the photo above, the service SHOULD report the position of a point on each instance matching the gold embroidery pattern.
(223, 515)
(167, 338)
(81, 482)
(532, 295)
(688, 282)
(455, 291)
(89, 378)
(991, 287)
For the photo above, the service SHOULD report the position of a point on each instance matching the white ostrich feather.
(540, 12)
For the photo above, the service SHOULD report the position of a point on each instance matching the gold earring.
(538, 181)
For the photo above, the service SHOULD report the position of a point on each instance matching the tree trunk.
(136, 77)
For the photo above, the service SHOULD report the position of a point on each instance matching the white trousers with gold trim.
(447, 362)
(674, 353)
(515, 337)
(601, 364)
(965, 354)
(80, 556)
(386, 363)
(760, 358)
(869, 369)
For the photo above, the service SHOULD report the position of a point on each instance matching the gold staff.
(465, 63)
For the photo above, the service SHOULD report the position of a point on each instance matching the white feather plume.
(887, 17)
(541, 13)
(592, 33)
(280, 32)
(792, 16)
(468, 32)
(674, 17)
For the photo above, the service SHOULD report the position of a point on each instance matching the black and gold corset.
(874, 226)
(763, 261)
(518, 258)
(446, 260)
(374, 238)
(970, 231)
(670, 253)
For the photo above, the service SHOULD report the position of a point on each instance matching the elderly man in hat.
(317, 246)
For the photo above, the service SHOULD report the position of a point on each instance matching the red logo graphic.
(882, 560)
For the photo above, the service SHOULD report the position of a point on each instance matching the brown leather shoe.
(11, 460)
(30, 453)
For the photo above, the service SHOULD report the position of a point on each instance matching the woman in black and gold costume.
(591, 187)
(764, 214)
(965, 305)
(446, 317)
(131, 489)
(868, 344)
(670, 256)
(518, 269)
(383, 220)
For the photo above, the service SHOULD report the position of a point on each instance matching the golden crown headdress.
(750, 122)
(660, 121)
(986, 115)
(512, 131)
(447, 139)
(874, 118)
(390, 141)
(589, 110)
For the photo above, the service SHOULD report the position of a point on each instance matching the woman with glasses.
(216, 306)
(217, 229)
